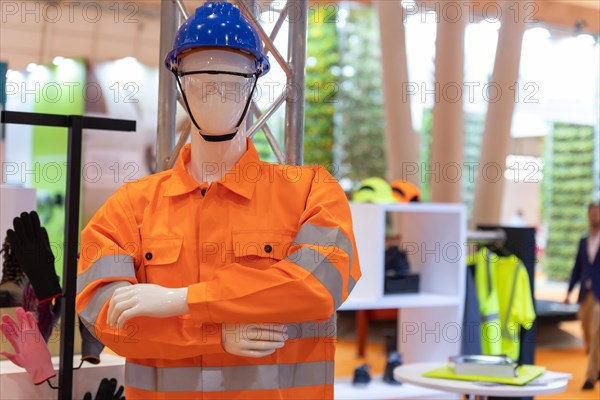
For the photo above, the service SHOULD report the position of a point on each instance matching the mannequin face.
(217, 85)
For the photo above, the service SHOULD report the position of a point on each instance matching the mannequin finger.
(124, 291)
(274, 336)
(117, 308)
(117, 298)
(275, 327)
(256, 353)
(265, 335)
(126, 316)
(264, 345)
(122, 296)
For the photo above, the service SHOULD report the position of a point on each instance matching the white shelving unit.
(429, 322)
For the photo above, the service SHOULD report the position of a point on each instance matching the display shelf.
(377, 389)
(416, 300)
(433, 235)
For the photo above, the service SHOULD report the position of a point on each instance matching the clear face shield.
(217, 87)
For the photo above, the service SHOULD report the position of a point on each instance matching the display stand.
(76, 125)
(521, 243)
(429, 322)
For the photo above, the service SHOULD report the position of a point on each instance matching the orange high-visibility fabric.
(265, 243)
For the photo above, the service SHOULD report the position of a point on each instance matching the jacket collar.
(241, 179)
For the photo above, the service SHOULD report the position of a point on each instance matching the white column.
(402, 143)
(489, 185)
(447, 144)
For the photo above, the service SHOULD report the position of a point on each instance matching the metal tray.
(484, 365)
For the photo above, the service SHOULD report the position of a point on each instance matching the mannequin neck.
(212, 160)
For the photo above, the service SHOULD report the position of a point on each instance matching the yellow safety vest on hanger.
(491, 331)
(505, 302)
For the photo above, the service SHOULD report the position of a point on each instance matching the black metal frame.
(76, 125)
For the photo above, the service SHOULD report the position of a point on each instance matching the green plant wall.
(568, 188)
(360, 144)
(322, 85)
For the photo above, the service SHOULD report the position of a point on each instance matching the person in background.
(587, 272)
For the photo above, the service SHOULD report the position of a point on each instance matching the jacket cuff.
(197, 302)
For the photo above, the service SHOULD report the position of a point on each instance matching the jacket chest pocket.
(260, 249)
(161, 258)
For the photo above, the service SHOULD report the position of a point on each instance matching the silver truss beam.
(267, 114)
(167, 87)
(294, 69)
(265, 38)
(269, 135)
(294, 111)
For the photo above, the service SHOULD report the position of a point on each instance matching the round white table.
(411, 373)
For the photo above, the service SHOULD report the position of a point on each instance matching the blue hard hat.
(218, 25)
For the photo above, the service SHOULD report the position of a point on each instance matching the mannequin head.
(217, 86)
(217, 58)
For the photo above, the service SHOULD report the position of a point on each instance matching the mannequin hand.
(145, 300)
(253, 340)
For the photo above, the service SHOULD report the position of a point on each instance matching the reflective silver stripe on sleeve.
(490, 317)
(322, 269)
(231, 378)
(113, 266)
(313, 329)
(323, 236)
(90, 313)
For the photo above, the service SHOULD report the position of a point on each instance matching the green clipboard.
(526, 374)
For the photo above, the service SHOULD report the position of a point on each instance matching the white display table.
(411, 373)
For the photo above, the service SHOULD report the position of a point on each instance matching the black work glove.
(90, 346)
(31, 246)
(106, 391)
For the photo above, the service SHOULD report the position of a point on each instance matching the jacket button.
(268, 248)
(148, 256)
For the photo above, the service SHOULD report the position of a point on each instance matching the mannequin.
(215, 282)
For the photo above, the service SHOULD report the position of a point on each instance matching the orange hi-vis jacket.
(265, 244)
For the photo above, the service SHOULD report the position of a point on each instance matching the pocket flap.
(161, 251)
(269, 244)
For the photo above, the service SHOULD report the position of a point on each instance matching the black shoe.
(13, 279)
(588, 385)
(394, 360)
(361, 375)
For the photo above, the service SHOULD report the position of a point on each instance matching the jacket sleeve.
(110, 252)
(319, 271)
(576, 273)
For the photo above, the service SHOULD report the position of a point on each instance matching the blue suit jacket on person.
(583, 270)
